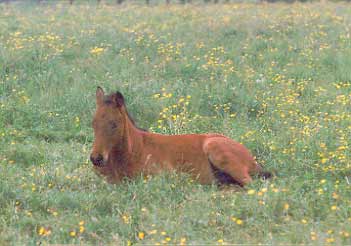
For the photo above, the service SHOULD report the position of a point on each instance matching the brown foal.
(122, 150)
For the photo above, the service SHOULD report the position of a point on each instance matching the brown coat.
(121, 149)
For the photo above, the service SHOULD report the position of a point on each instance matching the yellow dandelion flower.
(96, 50)
(41, 231)
(81, 229)
(329, 240)
(126, 219)
(141, 235)
(251, 192)
(152, 232)
(72, 233)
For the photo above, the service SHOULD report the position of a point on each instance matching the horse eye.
(113, 125)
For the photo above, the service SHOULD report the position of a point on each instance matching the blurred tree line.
(158, 1)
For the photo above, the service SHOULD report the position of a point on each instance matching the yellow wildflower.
(251, 192)
(141, 235)
(96, 50)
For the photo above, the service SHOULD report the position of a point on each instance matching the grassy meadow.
(276, 77)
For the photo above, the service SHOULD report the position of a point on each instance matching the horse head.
(109, 124)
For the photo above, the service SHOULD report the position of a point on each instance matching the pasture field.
(276, 77)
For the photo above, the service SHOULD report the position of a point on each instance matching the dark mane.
(108, 100)
(133, 122)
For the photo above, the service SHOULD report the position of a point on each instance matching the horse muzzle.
(97, 160)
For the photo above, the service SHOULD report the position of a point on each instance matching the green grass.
(275, 77)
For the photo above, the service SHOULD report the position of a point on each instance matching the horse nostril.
(99, 159)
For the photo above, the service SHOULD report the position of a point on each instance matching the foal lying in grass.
(121, 149)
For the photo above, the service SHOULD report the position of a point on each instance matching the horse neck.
(130, 142)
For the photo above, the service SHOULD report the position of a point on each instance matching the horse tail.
(262, 173)
(265, 175)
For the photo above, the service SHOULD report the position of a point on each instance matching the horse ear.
(118, 99)
(99, 95)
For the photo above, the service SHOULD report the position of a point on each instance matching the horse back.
(182, 153)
